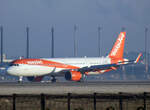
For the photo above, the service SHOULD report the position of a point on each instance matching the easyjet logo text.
(117, 46)
(34, 62)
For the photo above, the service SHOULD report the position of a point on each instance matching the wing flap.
(97, 68)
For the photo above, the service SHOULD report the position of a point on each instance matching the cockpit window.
(14, 64)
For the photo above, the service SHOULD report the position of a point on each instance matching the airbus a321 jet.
(73, 69)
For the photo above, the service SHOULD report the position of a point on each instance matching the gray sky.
(40, 15)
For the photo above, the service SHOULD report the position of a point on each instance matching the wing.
(97, 68)
(107, 66)
(78, 74)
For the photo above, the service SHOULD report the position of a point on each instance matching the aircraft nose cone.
(10, 70)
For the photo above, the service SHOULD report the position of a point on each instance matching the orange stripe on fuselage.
(43, 62)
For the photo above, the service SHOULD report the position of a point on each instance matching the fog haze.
(41, 15)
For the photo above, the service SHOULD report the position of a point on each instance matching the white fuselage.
(34, 69)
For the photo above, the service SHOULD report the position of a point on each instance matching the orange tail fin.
(118, 48)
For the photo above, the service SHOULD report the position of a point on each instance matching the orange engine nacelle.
(73, 76)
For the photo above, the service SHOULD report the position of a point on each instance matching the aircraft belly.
(59, 69)
(93, 73)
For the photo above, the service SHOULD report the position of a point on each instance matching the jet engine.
(73, 75)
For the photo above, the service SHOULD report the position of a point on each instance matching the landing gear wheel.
(53, 80)
(81, 81)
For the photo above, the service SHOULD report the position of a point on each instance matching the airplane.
(73, 69)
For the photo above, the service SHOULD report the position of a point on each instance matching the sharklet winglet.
(138, 58)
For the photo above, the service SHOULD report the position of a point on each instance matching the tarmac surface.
(8, 88)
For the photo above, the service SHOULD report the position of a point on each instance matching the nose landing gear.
(20, 79)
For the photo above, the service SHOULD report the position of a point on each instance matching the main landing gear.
(82, 80)
(53, 79)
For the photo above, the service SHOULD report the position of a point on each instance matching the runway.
(8, 88)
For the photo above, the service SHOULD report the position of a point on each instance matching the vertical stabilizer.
(118, 48)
